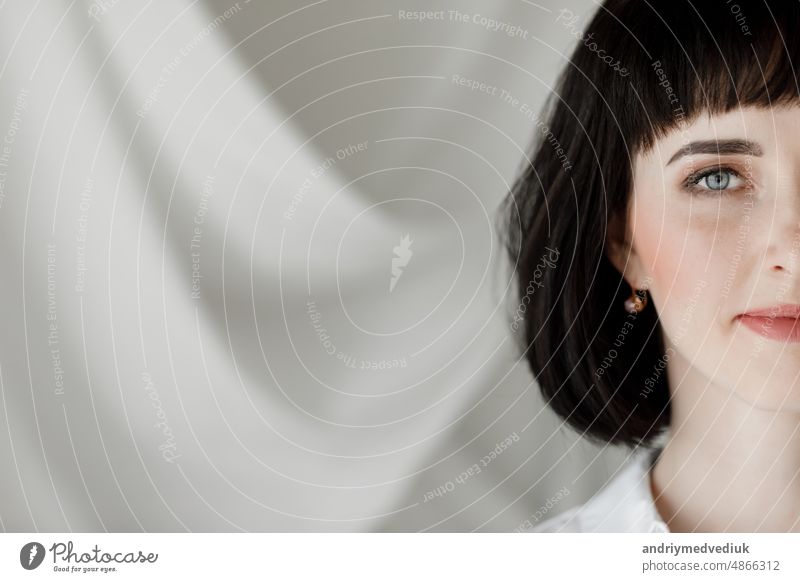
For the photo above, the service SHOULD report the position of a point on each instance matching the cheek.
(680, 249)
(675, 247)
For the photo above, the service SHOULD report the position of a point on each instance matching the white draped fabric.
(253, 278)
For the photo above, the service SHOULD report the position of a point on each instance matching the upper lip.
(782, 310)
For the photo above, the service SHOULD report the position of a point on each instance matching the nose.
(783, 250)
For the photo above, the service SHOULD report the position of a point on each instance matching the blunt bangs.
(691, 58)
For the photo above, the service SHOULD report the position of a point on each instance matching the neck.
(727, 466)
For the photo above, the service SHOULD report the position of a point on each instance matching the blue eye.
(717, 179)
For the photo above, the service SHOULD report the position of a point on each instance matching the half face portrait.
(714, 227)
(670, 323)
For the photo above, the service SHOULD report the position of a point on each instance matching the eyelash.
(691, 181)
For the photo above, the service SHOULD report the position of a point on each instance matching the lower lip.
(782, 329)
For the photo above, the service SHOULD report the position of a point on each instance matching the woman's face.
(714, 224)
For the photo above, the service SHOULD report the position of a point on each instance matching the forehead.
(775, 129)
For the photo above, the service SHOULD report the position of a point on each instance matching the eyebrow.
(719, 147)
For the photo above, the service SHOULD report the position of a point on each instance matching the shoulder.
(624, 504)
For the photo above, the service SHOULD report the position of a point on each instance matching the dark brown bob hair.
(640, 69)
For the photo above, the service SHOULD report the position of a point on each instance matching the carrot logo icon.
(31, 555)
(402, 255)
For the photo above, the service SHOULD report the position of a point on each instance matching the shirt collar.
(626, 503)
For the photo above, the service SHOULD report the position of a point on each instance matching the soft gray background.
(266, 430)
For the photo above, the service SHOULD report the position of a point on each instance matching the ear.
(622, 254)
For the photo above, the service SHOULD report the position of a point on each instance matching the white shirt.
(625, 504)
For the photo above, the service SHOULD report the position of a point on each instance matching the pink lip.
(782, 329)
(783, 310)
